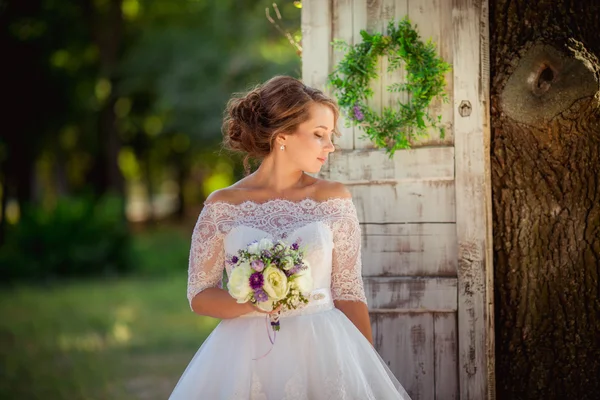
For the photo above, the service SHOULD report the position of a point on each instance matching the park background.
(111, 143)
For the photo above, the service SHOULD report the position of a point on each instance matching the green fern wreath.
(425, 80)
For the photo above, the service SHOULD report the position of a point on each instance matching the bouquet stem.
(275, 320)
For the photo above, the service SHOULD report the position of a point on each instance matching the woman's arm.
(358, 313)
(346, 276)
(217, 303)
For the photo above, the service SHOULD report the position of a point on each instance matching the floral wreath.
(425, 80)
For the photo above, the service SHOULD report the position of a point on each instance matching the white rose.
(287, 263)
(265, 305)
(239, 282)
(276, 283)
(253, 248)
(304, 283)
(265, 244)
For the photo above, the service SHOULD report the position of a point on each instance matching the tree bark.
(545, 157)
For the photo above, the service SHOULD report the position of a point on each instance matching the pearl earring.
(282, 147)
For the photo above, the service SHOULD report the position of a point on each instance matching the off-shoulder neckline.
(306, 201)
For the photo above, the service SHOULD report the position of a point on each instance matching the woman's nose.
(330, 147)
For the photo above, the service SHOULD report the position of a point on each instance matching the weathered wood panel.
(396, 10)
(405, 202)
(422, 13)
(411, 294)
(445, 350)
(489, 335)
(342, 29)
(401, 339)
(409, 249)
(365, 12)
(472, 198)
(405, 342)
(316, 43)
(415, 186)
(425, 263)
(376, 165)
(373, 16)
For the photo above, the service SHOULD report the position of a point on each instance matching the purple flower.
(275, 325)
(358, 114)
(267, 253)
(257, 265)
(233, 260)
(295, 269)
(256, 280)
(260, 295)
(295, 246)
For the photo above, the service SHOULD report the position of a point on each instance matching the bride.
(324, 350)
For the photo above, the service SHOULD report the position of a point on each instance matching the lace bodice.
(329, 231)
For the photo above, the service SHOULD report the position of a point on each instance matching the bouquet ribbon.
(318, 297)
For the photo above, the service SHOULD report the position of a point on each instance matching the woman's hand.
(260, 310)
(358, 313)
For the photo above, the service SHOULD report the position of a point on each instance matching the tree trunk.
(182, 173)
(3, 199)
(106, 24)
(147, 163)
(27, 91)
(545, 158)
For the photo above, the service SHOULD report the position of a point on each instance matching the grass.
(104, 339)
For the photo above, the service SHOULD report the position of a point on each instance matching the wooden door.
(423, 213)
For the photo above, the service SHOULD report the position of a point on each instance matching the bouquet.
(270, 275)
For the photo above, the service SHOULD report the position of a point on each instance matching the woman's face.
(309, 147)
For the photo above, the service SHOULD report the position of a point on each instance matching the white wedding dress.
(318, 353)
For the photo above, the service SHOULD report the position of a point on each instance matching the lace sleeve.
(207, 254)
(346, 279)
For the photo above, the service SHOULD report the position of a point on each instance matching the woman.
(324, 349)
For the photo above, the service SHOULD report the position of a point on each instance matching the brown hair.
(253, 120)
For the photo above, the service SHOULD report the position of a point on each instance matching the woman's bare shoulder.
(230, 195)
(320, 190)
(325, 190)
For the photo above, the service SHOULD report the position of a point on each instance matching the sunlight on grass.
(125, 339)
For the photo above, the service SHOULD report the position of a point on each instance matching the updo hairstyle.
(253, 120)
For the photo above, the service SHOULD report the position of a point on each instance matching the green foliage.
(425, 81)
(144, 88)
(188, 61)
(78, 237)
(162, 251)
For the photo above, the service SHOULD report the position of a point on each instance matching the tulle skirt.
(318, 354)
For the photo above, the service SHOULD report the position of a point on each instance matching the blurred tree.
(189, 58)
(105, 21)
(105, 88)
(57, 90)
